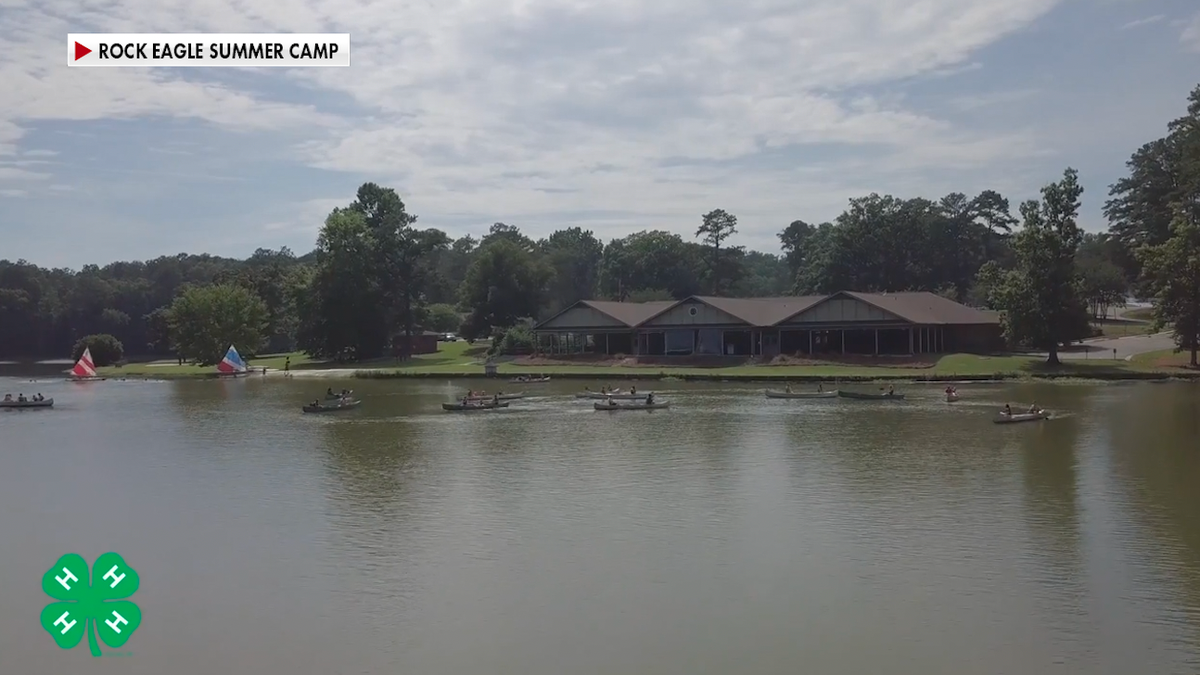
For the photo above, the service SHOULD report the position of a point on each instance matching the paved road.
(1125, 346)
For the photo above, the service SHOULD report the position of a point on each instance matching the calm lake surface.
(730, 535)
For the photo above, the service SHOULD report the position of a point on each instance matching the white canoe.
(1021, 417)
(951, 398)
(492, 397)
(623, 396)
(22, 405)
(631, 406)
(802, 394)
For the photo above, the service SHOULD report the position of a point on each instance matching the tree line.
(376, 275)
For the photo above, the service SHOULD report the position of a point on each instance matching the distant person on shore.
(287, 365)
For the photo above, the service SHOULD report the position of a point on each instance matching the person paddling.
(1007, 410)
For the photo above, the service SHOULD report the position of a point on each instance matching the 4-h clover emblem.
(92, 608)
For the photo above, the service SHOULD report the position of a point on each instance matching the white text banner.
(208, 50)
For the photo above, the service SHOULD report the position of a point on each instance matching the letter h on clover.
(96, 608)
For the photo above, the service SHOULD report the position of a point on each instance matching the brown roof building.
(846, 322)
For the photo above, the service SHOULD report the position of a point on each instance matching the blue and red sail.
(232, 363)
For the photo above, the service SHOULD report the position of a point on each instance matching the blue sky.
(613, 115)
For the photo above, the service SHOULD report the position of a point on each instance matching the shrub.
(516, 340)
(106, 349)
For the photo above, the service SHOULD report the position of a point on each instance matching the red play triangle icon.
(81, 51)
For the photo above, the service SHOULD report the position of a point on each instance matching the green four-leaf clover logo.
(92, 608)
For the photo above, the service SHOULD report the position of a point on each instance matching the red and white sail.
(84, 366)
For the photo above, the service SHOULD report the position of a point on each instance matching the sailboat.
(85, 370)
(232, 365)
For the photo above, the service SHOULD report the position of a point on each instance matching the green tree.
(106, 349)
(1172, 269)
(442, 318)
(1040, 296)
(651, 260)
(340, 312)
(505, 282)
(1141, 207)
(574, 255)
(205, 320)
(403, 266)
(715, 227)
(763, 275)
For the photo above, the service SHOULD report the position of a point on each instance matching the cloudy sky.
(613, 115)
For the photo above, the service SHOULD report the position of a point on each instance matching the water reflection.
(1156, 456)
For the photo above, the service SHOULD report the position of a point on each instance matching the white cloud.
(479, 108)
(10, 173)
(13, 193)
(1191, 33)
(1144, 21)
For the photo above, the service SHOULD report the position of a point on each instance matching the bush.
(106, 349)
(516, 340)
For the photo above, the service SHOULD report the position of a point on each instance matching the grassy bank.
(460, 360)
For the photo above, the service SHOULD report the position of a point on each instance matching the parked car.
(448, 337)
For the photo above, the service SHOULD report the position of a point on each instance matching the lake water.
(730, 535)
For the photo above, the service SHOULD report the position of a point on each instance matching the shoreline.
(376, 374)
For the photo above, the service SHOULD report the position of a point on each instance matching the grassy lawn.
(457, 362)
(1117, 329)
(1166, 359)
(463, 359)
(451, 355)
(1139, 314)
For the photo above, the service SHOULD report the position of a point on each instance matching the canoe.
(617, 397)
(951, 398)
(477, 406)
(21, 405)
(331, 408)
(1021, 417)
(631, 406)
(86, 379)
(536, 380)
(802, 394)
(503, 397)
(870, 397)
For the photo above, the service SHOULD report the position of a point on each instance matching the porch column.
(607, 351)
(810, 343)
(910, 340)
(843, 332)
(876, 342)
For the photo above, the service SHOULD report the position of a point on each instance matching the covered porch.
(880, 340)
(697, 342)
(606, 342)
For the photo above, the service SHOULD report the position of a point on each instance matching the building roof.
(915, 307)
(628, 313)
(925, 308)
